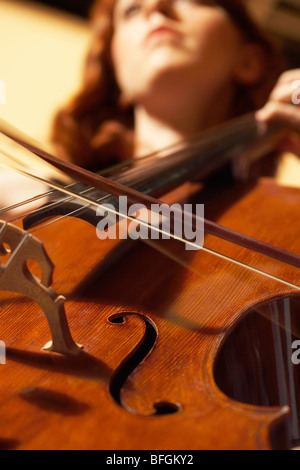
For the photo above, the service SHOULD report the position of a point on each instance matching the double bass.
(121, 344)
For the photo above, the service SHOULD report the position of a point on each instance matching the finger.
(289, 76)
(275, 111)
(285, 93)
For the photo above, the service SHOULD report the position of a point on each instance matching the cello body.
(181, 350)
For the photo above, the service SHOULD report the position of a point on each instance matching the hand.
(284, 106)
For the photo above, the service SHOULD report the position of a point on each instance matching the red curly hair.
(94, 130)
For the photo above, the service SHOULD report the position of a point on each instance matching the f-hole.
(133, 360)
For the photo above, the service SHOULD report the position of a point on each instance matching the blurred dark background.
(76, 7)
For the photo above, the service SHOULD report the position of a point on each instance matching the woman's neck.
(162, 122)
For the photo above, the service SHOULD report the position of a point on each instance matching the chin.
(162, 64)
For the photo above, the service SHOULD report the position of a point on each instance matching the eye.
(131, 9)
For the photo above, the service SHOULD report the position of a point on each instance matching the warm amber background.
(41, 53)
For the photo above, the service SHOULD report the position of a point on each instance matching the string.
(223, 257)
(117, 189)
(166, 252)
(245, 126)
(24, 203)
(60, 202)
(49, 205)
(193, 245)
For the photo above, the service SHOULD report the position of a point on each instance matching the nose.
(164, 7)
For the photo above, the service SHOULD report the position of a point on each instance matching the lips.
(161, 32)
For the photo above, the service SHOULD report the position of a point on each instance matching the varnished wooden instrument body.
(163, 323)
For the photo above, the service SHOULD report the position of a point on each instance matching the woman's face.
(157, 41)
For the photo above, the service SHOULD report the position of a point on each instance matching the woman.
(162, 70)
